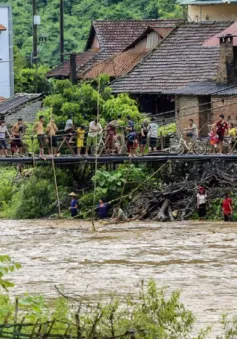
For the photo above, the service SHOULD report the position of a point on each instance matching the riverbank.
(198, 258)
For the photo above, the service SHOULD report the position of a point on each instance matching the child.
(213, 139)
(232, 137)
(132, 143)
(201, 202)
(80, 139)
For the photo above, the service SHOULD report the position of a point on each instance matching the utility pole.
(61, 30)
(73, 68)
(35, 42)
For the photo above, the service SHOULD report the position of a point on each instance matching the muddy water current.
(198, 258)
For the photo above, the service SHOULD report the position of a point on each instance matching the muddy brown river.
(198, 258)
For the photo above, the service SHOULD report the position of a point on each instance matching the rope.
(96, 155)
(135, 189)
(54, 170)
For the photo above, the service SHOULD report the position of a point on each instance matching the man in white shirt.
(153, 135)
(192, 130)
(69, 125)
(3, 143)
(94, 130)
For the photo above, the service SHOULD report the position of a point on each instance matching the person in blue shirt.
(102, 209)
(73, 205)
(130, 127)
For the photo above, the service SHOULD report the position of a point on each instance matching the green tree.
(7, 266)
(76, 31)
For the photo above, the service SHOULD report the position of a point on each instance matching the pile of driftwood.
(177, 199)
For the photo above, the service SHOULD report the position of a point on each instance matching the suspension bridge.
(115, 159)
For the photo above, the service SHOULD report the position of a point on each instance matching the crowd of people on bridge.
(120, 136)
(219, 131)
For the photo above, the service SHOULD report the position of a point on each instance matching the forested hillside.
(78, 15)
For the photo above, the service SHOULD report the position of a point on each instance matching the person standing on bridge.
(39, 129)
(3, 143)
(120, 136)
(153, 135)
(95, 129)
(51, 130)
(80, 139)
(17, 131)
(201, 203)
(221, 129)
(143, 140)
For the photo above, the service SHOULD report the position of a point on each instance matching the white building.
(210, 10)
(6, 52)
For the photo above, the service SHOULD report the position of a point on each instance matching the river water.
(198, 258)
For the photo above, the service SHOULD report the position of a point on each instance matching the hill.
(78, 16)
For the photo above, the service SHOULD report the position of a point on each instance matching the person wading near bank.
(227, 208)
(73, 205)
(221, 129)
(102, 209)
(17, 131)
(94, 130)
(39, 129)
(51, 130)
(153, 135)
(201, 203)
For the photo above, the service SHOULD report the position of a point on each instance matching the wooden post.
(161, 141)
(73, 68)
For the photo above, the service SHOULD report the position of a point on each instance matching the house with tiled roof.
(210, 10)
(105, 40)
(121, 63)
(191, 72)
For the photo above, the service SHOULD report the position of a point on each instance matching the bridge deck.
(118, 159)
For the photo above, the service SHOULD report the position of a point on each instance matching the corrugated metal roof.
(214, 41)
(2, 28)
(17, 100)
(204, 88)
(116, 66)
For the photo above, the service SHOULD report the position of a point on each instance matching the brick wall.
(224, 105)
(186, 107)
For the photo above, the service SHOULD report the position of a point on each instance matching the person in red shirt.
(227, 208)
(221, 128)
